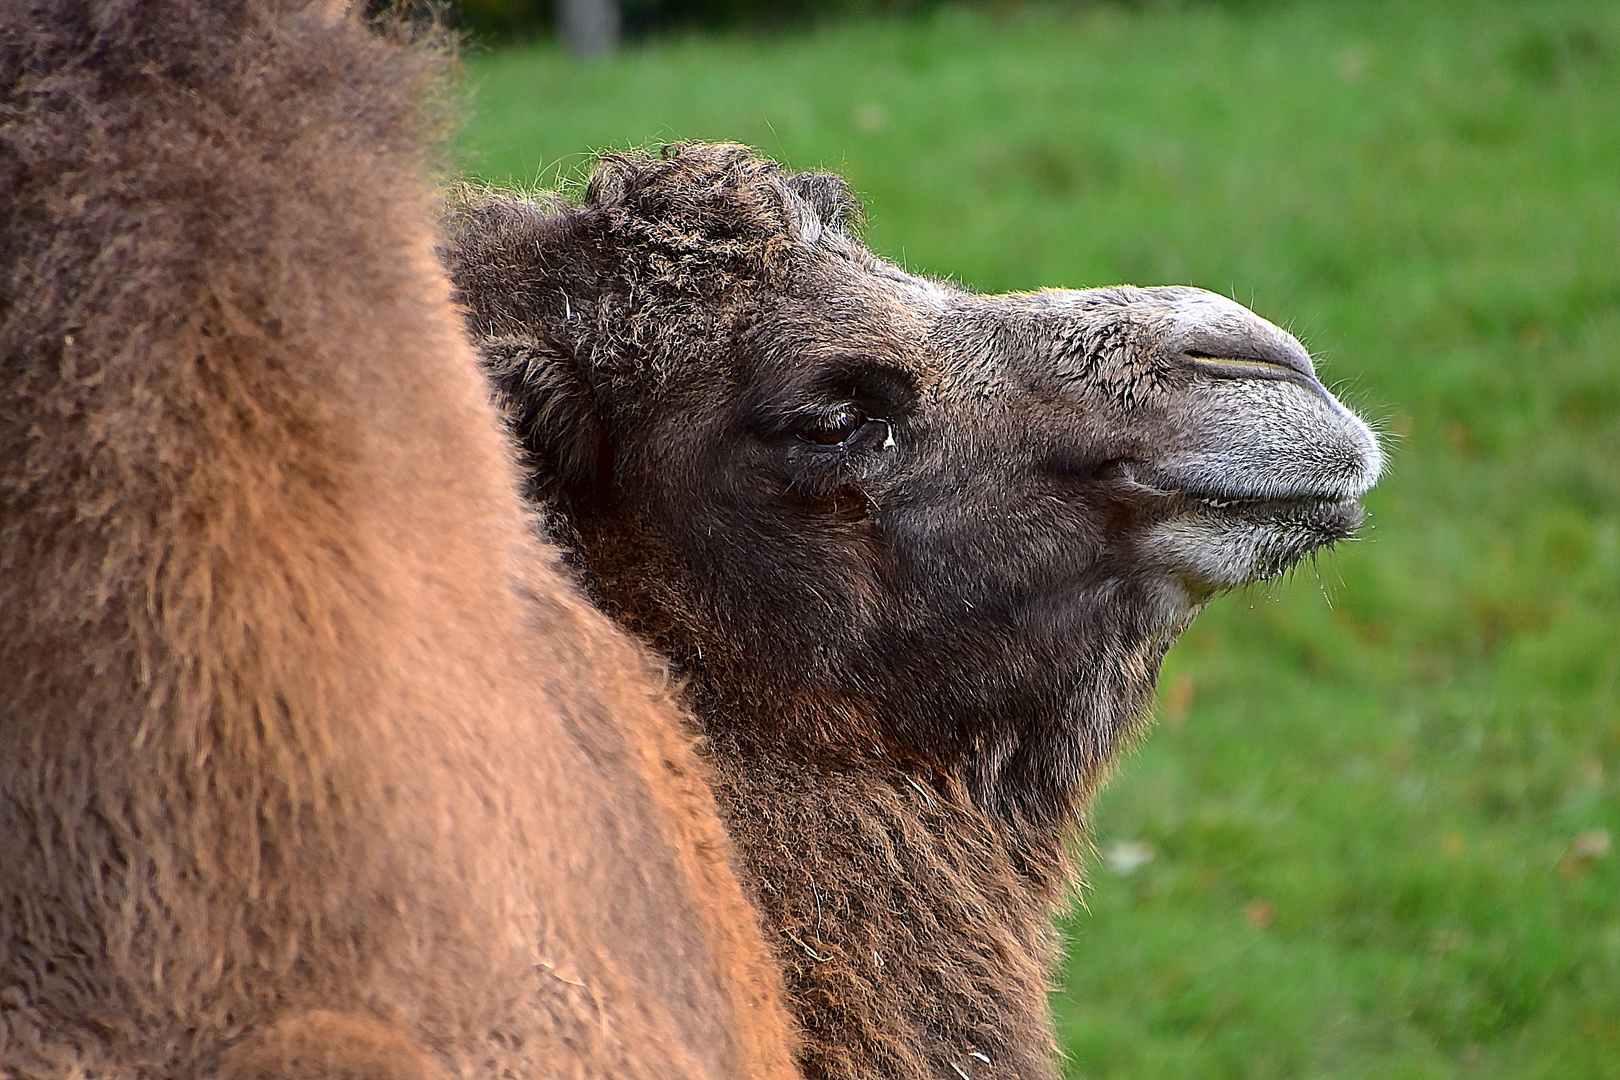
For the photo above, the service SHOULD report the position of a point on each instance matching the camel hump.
(295, 714)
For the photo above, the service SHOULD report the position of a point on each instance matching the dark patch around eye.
(878, 387)
(835, 404)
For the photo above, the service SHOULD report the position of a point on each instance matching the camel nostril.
(1281, 367)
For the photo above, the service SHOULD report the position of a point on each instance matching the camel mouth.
(1335, 510)
(1220, 540)
(1337, 518)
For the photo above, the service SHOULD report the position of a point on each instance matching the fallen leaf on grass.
(869, 119)
(1584, 850)
(1259, 913)
(1126, 857)
(1178, 697)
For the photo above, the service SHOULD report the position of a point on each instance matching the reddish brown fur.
(310, 761)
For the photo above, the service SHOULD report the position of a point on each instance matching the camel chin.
(1225, 545)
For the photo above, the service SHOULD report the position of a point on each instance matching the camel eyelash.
(834, 427)
(858, 386)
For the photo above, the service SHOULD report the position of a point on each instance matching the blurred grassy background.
(506, 21)
(1370, 836)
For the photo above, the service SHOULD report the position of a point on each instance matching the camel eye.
(834, 428)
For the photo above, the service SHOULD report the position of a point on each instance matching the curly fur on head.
(917, 551)
(311, 761)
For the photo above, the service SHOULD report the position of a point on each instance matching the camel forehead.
(738, 271)
(713, 222)
(845, 303)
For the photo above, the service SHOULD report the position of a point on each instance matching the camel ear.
(553, 413)
(827, 194)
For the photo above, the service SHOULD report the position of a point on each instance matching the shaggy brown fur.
(311, 763)
(918, 551)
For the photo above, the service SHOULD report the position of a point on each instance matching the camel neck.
(913, 929)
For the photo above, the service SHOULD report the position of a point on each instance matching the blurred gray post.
(589, 27)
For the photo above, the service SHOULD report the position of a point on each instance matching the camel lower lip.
(1286, 507)
(1215, 543)
(1335, 518)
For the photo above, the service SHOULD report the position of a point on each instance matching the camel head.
(866, 511)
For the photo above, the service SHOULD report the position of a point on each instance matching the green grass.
(1366, 786)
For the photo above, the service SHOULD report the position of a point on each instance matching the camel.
(916, 552)
(313, 762)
